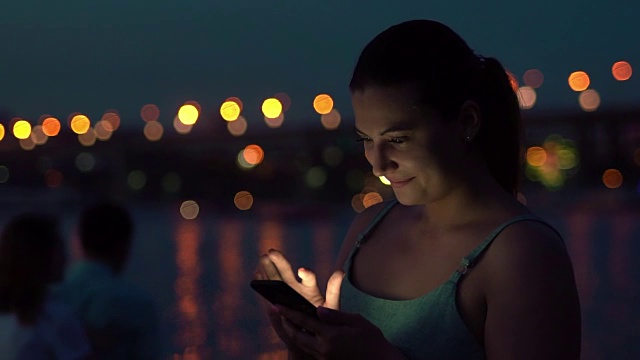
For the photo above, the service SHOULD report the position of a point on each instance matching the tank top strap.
(469, 260)
(362, 236)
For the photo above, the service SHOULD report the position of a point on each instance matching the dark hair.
(27, 264)
(446, 73)
(105, 231)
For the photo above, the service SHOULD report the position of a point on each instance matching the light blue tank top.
(428, 327)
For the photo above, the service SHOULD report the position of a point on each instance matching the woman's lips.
(400, 183)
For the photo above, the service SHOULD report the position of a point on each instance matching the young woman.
(455, 267)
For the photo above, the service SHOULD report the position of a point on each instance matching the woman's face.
(410, 145)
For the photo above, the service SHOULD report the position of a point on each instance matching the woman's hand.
(337, 335)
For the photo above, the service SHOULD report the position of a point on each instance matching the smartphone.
(279, 293)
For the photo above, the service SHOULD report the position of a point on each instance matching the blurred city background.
(227, 130)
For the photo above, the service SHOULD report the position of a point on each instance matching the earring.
(468, 138)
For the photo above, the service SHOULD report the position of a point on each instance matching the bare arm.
(533, 311)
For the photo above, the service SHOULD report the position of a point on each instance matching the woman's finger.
(283, 266)
(269, 268)
(332, 298)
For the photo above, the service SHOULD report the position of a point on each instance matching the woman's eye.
(398, 140)
(363, 139)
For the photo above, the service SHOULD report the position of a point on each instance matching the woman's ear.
(469, 120)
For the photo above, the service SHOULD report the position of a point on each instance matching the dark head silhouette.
(31, 257)
(105, 234)
(446, 74)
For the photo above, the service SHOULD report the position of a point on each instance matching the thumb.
(336, 317)
(332, 298)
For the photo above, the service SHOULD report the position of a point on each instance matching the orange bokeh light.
(150, 112)
(331, 120)
(589, 100)
(513, 81)
(253, 154)
(371, 199)
(80, 124)
(621, 70)
(323, 104)
(612, 178)
(243, 200)
(536, 156)
(51, 126)
(113, 118)
(533, 78)
(579, 81)
(237, 127)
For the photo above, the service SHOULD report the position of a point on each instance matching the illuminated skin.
(448, 204)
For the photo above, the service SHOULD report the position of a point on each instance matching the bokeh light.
(113, 118)
(85, 162)
(230, 110)
(284, 99)
(384, 180)
(527, 97)
(357, 203)
(253, 154)
(612, 178)
(274, 122)
(331, 120)
(371, 199)
(180, 127)
(51, 126)
(153, 131)
(237, 127)
(579, 81)
(323, 104)
(104, 130)
(333, 155)
(242, 162)
(88, 138)
(53, 178)
(38, 136)
(4, 174)
(188, 114)
(189, 209)
(316, 177)
(137, 179)
(536, 156)
(589, 100)
(80, 124)
(22, 129)
(150, 112)
(27, 144)
(533, 78)
(1, 132)
(271, 108)
(243, 200)
(621, 70)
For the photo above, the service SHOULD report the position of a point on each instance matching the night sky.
(83, 56)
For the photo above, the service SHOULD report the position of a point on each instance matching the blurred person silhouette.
(120, 318)
(454, 267)
(33, 323)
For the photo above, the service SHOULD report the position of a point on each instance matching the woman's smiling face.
(411, 145)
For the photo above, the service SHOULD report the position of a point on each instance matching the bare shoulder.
(358, 225)
(533, 309)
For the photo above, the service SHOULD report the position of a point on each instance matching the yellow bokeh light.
(237, 127)
(153, 131)
(536, 156)
(189, 209)
(579, 81)
(1, 132)
(323, 104)
(80, 124)
(384, 180)
(589, 100)
(188, 114)
(230, 110)
(371, 198)
(621, 70)
(51, 126)
(612, 178)
(243, 200)
(22, 129)
(271, 108)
